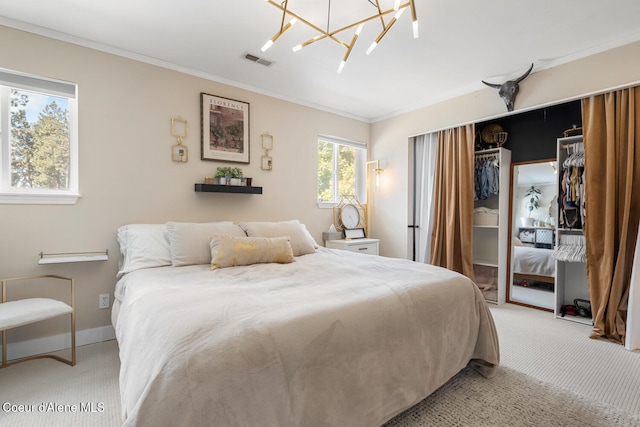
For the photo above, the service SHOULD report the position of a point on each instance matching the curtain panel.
(452, 235)
(611, 124)
(424, 173)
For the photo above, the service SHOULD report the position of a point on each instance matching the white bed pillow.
(229, 251)
(143, 246)
(301, 241)
(189, 241)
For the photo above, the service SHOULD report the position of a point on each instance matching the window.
(38, 137)
(342, 168)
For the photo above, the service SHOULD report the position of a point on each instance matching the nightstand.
(363, 246)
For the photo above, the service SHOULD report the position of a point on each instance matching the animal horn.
(493, 85)
(521, 78)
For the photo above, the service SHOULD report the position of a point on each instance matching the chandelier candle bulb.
(414, 19)
(371, 47)
(267, 45)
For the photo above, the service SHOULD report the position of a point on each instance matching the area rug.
(509, 399)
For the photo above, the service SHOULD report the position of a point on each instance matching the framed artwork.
(225, 129)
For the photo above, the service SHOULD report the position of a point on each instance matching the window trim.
(9, 195)
(361, 175)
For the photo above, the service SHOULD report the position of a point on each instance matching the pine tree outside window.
(38, 136)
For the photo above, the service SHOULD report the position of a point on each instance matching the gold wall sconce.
(267, 145)
(377, 170)
(179, 152)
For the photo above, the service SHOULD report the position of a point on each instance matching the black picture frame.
(225, 129)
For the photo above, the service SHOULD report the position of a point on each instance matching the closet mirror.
(532, 222)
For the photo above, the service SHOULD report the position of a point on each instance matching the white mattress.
(529, 260)
(335, 338)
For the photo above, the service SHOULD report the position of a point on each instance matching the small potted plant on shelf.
(532, 196)
(228, 176)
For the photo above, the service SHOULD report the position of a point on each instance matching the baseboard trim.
(53, 343)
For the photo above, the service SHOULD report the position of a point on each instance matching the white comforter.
(528, 260)
(333, 339)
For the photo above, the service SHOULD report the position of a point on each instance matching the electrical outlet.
(103, 301)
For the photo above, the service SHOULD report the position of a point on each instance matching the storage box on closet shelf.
(485, 216)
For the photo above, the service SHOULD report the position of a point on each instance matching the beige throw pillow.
(190, 241)
(227, 251)
(301, 241)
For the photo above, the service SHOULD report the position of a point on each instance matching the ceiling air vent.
(257, 59)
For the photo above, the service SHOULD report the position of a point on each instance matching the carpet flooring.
(551, 374)
(509, 399)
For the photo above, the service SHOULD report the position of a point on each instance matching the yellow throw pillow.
(228, 251)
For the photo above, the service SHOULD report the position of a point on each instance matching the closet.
(570, 252)
(490, 222)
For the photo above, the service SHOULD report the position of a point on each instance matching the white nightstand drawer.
(365, 248)
(362, 246)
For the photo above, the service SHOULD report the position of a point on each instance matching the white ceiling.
(461, 43)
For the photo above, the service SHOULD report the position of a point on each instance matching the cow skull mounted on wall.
(509, 89)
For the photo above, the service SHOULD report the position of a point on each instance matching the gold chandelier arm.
(304, 21)
(284, 15)
(370, 18)
(332, 34)
(380, 13)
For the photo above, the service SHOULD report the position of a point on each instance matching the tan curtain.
(452, 235)
(611, 124)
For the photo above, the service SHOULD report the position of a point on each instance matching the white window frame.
(10, 195)
(361, 170)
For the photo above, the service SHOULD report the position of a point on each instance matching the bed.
(305, 336)
(531, 264)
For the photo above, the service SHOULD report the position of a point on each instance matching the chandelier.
(395, 12)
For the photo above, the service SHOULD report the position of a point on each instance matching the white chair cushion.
(25, 311)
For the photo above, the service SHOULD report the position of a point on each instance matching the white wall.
(389, 138)
(126, 172)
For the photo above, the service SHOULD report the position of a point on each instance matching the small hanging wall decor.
(179, 129)
(267, 145)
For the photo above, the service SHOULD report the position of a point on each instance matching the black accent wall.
(532, 135)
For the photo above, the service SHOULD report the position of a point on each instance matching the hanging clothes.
(572, 212)
(486, 176)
